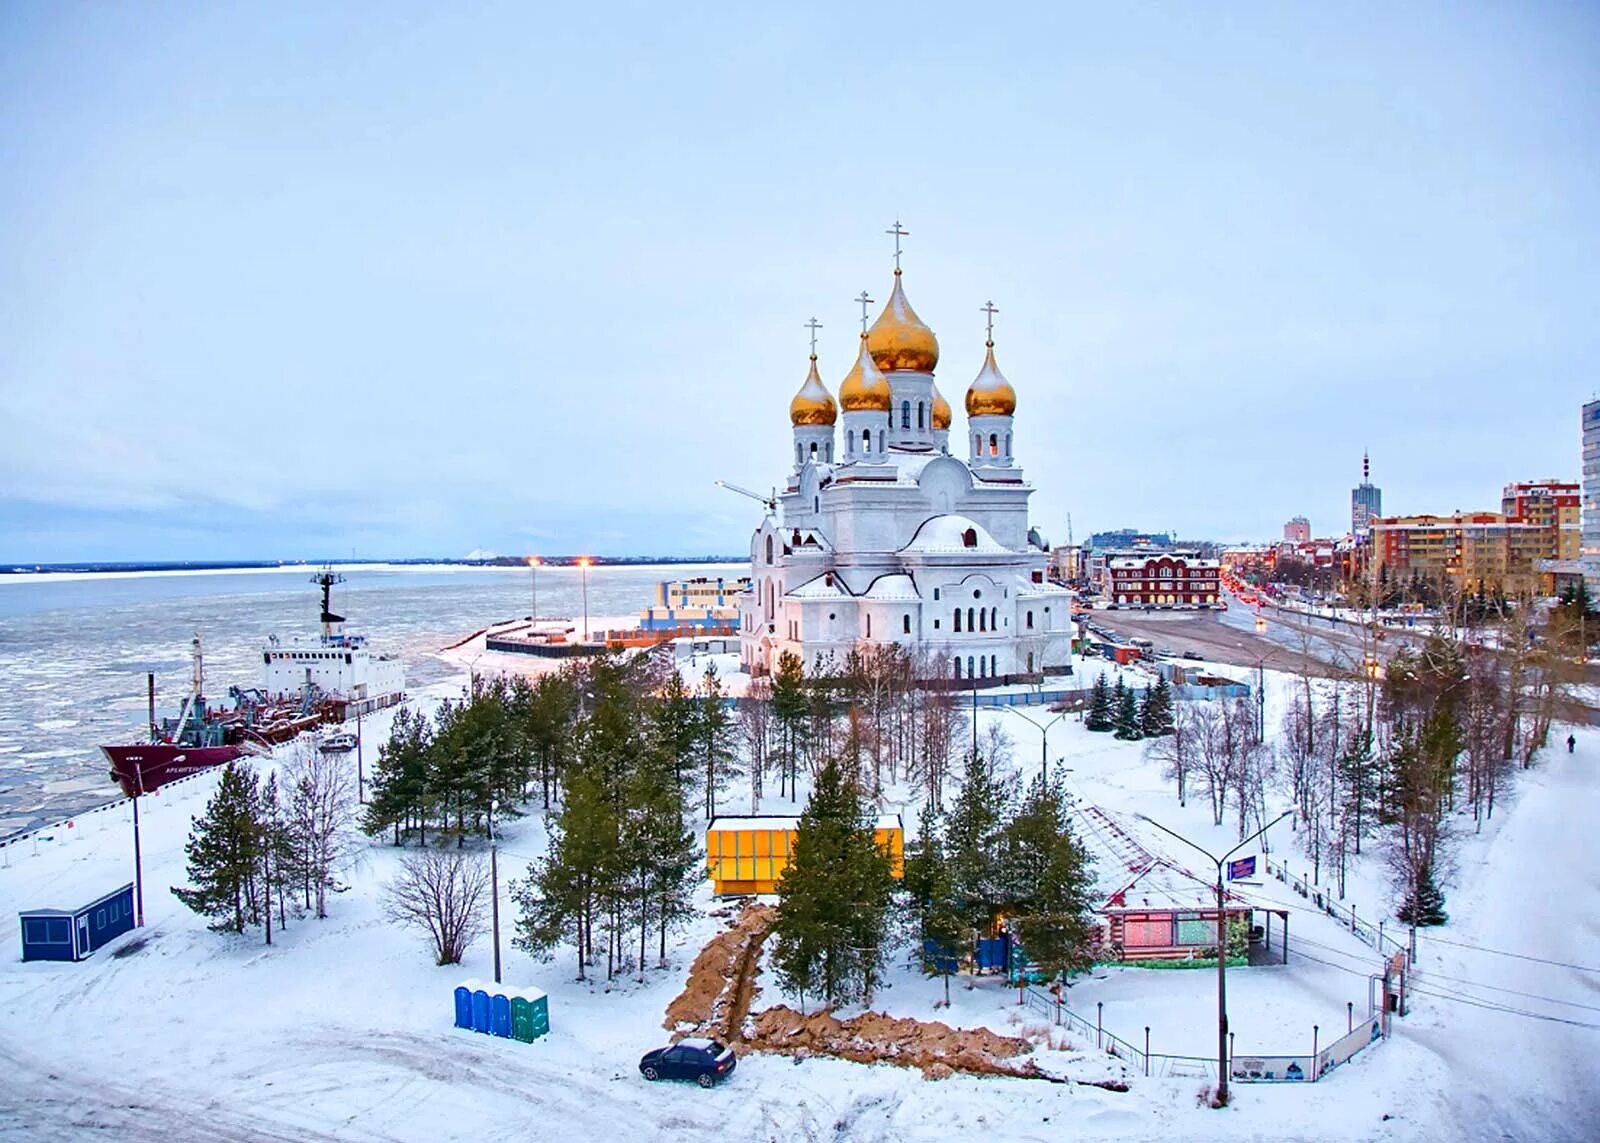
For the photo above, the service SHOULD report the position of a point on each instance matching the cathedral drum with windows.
(880, 535)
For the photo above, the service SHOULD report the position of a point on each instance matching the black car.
(704, 1061)
(1191, 654)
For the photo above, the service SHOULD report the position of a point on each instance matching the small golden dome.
(941, 412)
(991, 395)
(813, 405)
(865, 388)
(899, 340)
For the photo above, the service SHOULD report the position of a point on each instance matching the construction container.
(748, 853)
(62, 934)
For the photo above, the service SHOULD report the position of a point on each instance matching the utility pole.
(494, 888)
(361, 785)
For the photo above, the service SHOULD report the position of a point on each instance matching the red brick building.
(1165, 580)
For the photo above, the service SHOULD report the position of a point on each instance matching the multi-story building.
(703, 601)
(1297, 530)
(1589, 551)
(1126, 540)
(1471, 551)
(1553, 505)
(1165, 580)
(1366, 501)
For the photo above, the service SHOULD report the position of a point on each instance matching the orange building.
(748, 854)
(1553, 505)
(1470, 550)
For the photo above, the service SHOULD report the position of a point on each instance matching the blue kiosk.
(59, 934)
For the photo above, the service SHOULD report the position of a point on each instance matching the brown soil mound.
(720, 987)
(874, 1037)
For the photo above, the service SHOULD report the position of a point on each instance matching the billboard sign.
(1243, 867)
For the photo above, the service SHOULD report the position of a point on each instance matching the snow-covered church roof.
(953, 533)
(895, 587)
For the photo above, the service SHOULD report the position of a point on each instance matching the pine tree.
(834, 897)
(976, 815)
(1424, 902)
(1100, 708)
(677, 724)
(400, 779)
(790, 706)
(1155, 717)
(223, 853)
(714, 739)
(1126, 715)
(559, 897)
(929, 885)
(1045, 881)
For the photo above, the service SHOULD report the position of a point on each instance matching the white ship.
(335, 663)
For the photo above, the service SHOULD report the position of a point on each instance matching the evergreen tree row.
(1118, 708)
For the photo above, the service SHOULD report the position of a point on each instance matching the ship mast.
(325, 579)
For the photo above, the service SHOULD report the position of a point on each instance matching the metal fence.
(1367, 932)
(1306, 1067)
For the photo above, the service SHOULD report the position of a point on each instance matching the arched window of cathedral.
(972, 620)
(958, 668)
(798, 456)
(969, 538)
(1030, 622)
(971, 673)
(920, 421)
(983, 667)
(849, 445)
(983, 620)
(816, 504)
(994, 619)
(958, 621)
(905, 625)
(977, 445)
(869, 625)
(880, 440)
(769, 549)
(905, 414)
(866, 440)
(994, 445)
(1008, 444)
(1030, 662)
(813, 448)
(994, 665)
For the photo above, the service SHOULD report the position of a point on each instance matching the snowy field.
(342, 1029)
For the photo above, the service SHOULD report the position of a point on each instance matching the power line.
(1491, 1006)
(1502, 952)
(1432, 975)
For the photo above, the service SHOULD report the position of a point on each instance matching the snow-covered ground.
(342, 1029)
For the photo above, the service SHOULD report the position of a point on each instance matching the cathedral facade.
(881, 535)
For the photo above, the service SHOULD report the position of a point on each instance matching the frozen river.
(74, 649)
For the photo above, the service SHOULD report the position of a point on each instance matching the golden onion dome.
(990, 394)
(899, 340)
(865, 388)
(813, 405)
(941, 412)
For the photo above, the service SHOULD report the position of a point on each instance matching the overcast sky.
(307, 280)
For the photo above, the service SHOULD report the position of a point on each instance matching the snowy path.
(1535, 891)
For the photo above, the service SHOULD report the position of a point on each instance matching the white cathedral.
(882, 536)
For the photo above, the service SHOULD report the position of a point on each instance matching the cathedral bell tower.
(991, 404)
(813, 414)
(865, 397)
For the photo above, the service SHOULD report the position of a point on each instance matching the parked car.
(704, 1061)
(1191, 654)
(338, 744)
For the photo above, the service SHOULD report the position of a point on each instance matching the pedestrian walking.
(1572, 741)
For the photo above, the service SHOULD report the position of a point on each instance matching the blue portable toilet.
(464, 1004)
(480, 1010)
(56, 934)
(500, 1014)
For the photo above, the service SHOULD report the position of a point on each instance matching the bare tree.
(1179, 752)
(1215, 760)
(322, 822)
(442, 892)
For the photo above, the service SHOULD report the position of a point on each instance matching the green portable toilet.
(539, 1011)
(521, 1018)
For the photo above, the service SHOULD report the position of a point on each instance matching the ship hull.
(149, 766)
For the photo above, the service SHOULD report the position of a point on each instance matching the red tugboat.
(200, 737)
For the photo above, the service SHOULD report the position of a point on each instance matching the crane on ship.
(771, 501)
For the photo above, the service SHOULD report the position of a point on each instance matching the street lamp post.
(1222, 941)
(583, 567)
(1044, 736)
(533, 578)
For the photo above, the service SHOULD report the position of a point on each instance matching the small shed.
(748, 853)
(61, 934)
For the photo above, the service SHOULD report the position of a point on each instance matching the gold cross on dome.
(813, 325)
(898, 233)
(990, 309)
(864, 302)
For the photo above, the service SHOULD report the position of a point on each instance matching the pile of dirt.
(721, 985)
(874, 1037)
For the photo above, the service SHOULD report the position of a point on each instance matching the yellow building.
(748, 854)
